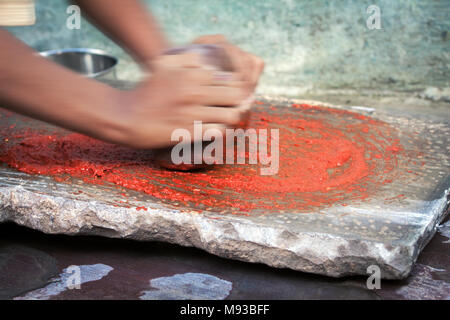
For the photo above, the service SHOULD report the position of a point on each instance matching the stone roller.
(216, 57)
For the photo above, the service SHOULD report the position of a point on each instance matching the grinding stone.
(335, 241)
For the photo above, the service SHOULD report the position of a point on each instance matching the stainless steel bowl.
(92, 63)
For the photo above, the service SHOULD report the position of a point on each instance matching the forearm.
(129, 23)
(33, 86)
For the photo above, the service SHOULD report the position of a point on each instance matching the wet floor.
(122, 269)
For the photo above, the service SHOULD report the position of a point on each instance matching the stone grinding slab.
(385, 219)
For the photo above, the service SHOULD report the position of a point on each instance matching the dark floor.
(28, 259)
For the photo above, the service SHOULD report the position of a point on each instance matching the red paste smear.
(327, 156)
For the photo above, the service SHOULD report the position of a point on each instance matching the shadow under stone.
(23, 269)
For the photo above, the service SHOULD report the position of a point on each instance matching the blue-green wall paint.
(317, 44)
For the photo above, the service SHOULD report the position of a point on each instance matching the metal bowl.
(92, 63)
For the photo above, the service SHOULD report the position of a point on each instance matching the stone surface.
(436, 94)
(336, 242)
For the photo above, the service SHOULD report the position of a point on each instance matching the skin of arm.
(178, 92)
(128, 23)
(36, 87)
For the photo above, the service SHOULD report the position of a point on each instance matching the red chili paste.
(326, 156)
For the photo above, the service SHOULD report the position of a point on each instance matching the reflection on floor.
(120, 269)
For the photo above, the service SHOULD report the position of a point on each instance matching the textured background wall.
(318, 44)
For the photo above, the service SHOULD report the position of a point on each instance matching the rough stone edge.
(229, 237)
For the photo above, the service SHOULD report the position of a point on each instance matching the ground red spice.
(326, 156)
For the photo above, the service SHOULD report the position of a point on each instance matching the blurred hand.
(178, 93)
(248, 66)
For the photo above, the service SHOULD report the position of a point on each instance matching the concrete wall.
(318, 44)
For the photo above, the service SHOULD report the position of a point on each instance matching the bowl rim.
(99, 52)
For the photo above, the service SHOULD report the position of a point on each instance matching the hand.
(247, 65)
(180, 91)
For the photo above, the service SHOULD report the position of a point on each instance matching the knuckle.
(220, 38)
(166, 61)
(191, 59)
(182, 76)
(185, 76)
(233, 116)
(193, 96)
(213, 38)
(131, 137)
(199, 76)
(239, 96)
(260, 63)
